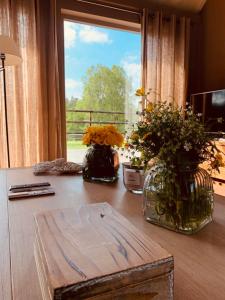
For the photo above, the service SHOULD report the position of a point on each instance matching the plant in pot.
(178, 194)
(101, 162)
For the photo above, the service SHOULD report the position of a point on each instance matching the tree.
(105, 89)
(70, 104)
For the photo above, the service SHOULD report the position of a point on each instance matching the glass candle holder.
(133, 178)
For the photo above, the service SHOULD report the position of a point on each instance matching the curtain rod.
(110, 6)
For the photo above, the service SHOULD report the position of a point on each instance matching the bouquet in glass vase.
(178, 194)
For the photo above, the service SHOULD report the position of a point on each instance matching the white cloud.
(71, 83)
(70, 34)
(86, 33)
(89, 34)
(131, 58)
(74, 88)
(133, 71)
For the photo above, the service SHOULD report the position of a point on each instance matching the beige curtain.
(36, 113)
(165, 52)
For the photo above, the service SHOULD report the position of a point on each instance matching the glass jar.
(181, 202)
(101, 164)
(133, 178)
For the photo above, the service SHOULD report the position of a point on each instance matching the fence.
(91, 120)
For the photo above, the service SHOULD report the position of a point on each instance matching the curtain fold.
(165, 52)
(36, 113)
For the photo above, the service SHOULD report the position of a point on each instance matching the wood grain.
(199, 259)
(92, 250)
(5, 276)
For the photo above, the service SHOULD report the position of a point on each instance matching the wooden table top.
(199, 259)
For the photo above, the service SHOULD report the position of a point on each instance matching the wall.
(213, 46)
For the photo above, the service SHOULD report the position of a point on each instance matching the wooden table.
(199, 259)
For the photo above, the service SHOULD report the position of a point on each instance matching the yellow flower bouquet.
(103, 135)
(101, 162)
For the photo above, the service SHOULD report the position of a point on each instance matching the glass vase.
(101, 164)
(181, 201)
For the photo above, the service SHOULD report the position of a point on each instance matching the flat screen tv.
(211, 106)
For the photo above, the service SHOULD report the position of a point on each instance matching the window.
(102, 72)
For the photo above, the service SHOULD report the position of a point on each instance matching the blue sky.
(87, 45)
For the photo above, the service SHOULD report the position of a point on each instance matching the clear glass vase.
(184, 203)
(101, 164)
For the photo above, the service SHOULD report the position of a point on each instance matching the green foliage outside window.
(104, 89)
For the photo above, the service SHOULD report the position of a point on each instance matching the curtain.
(36, 112)
(165, 52)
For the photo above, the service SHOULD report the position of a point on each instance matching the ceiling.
(189, 6)
(184, 5)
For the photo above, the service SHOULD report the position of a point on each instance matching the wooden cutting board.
(92, 252)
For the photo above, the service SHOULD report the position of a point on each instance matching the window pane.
(102, 72)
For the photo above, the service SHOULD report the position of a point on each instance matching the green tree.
(70, 105)
(105, 89)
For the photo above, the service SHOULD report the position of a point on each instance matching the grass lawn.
(75, 145)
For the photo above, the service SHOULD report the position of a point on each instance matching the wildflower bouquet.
(103, 135)
(172, 141)
(173, 136)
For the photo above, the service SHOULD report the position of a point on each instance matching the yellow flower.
(219, 159)
(149, 107)
(146, 136)
(134, 136)
(126, 145)
(103, 135)
(140, 92)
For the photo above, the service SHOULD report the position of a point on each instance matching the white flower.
(187, 146)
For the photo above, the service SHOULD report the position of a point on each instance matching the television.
(211, 107)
